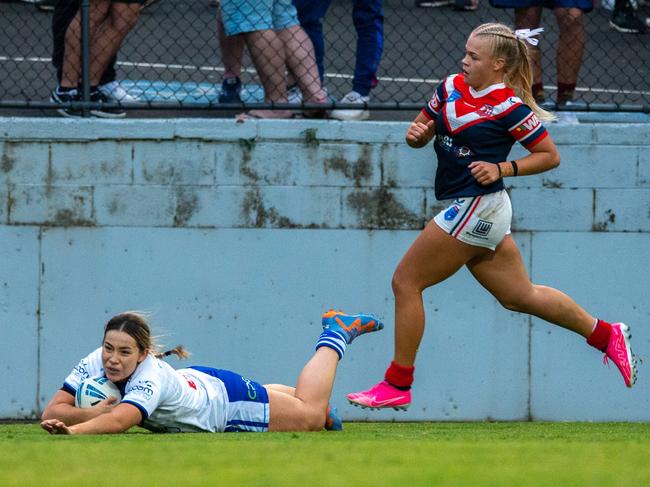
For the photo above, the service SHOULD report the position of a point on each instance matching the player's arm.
(62, 407)
(543, 156)
(118, 420)
(420, 132)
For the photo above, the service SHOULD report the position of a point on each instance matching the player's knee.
(399, 282)
(314, 420)
(519, 303)
(307, 418)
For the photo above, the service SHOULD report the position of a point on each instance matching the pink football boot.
(619, 351)
(382, 395)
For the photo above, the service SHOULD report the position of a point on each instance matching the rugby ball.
(93, 390)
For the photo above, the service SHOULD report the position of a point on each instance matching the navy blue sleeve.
(433, 107)
(525, 127)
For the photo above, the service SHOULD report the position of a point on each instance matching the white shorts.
(477, 220)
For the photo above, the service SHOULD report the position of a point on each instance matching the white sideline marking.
(20, 59)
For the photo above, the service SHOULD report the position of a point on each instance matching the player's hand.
(484, 172)
(105, 405)
(419, 134)
(55, 427)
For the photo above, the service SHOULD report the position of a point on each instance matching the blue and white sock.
(333, 340)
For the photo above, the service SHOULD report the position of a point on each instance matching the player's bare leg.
(504, 275)
(432, 258)
(307, 408)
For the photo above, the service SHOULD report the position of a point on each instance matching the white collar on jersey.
(485, 91)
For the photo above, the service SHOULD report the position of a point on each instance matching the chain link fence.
(177, 53)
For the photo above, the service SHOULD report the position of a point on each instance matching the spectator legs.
(267, 51)
(301, 62)
(109, 25)
(570, 48)
(310, 15)
(71, 72)
(530, 18)
(232, 50)
(110, 34)
(368, 18)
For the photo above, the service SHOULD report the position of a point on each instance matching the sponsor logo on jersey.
(190, 382)
(528, 125)
(144, 387)
(82, 369)
(447, 143)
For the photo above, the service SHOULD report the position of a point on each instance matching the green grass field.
(372, 454)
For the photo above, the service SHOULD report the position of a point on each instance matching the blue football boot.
(350, 326)
(333, 421)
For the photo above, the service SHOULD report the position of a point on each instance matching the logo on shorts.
(482, 228)
(252, 392)
(451, 213)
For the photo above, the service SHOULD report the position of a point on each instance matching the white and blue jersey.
(185, 400)
(475, 125)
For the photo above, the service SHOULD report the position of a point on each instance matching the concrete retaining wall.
(236, 236)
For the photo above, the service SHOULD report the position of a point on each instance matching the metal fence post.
(85, 54)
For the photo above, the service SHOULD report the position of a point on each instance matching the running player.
(161, 399)
(475, 117)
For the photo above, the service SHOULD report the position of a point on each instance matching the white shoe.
(114, 91)
(294, 95)
(352, 114)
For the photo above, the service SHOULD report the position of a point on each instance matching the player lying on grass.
(161, 399)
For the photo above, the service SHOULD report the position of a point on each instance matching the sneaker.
(433, 3)
(114, 92)
(625, 21)
(619, 351)
(148, 3)
(355, 113)
(46, 5)
(102, 111)
(350, 326)
(383, 395)
(333, 421)
(465, 5)
(294, 95)
(61, 97)
(230, 90)
(571, 105)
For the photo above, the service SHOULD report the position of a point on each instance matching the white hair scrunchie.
(529, 35)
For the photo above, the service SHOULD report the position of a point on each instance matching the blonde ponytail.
(518, 73)
(178, 350)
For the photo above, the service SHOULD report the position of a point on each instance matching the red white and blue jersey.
(475, 125)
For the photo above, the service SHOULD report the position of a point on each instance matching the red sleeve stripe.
(537, 140)
(519, 122)
(430, 114)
